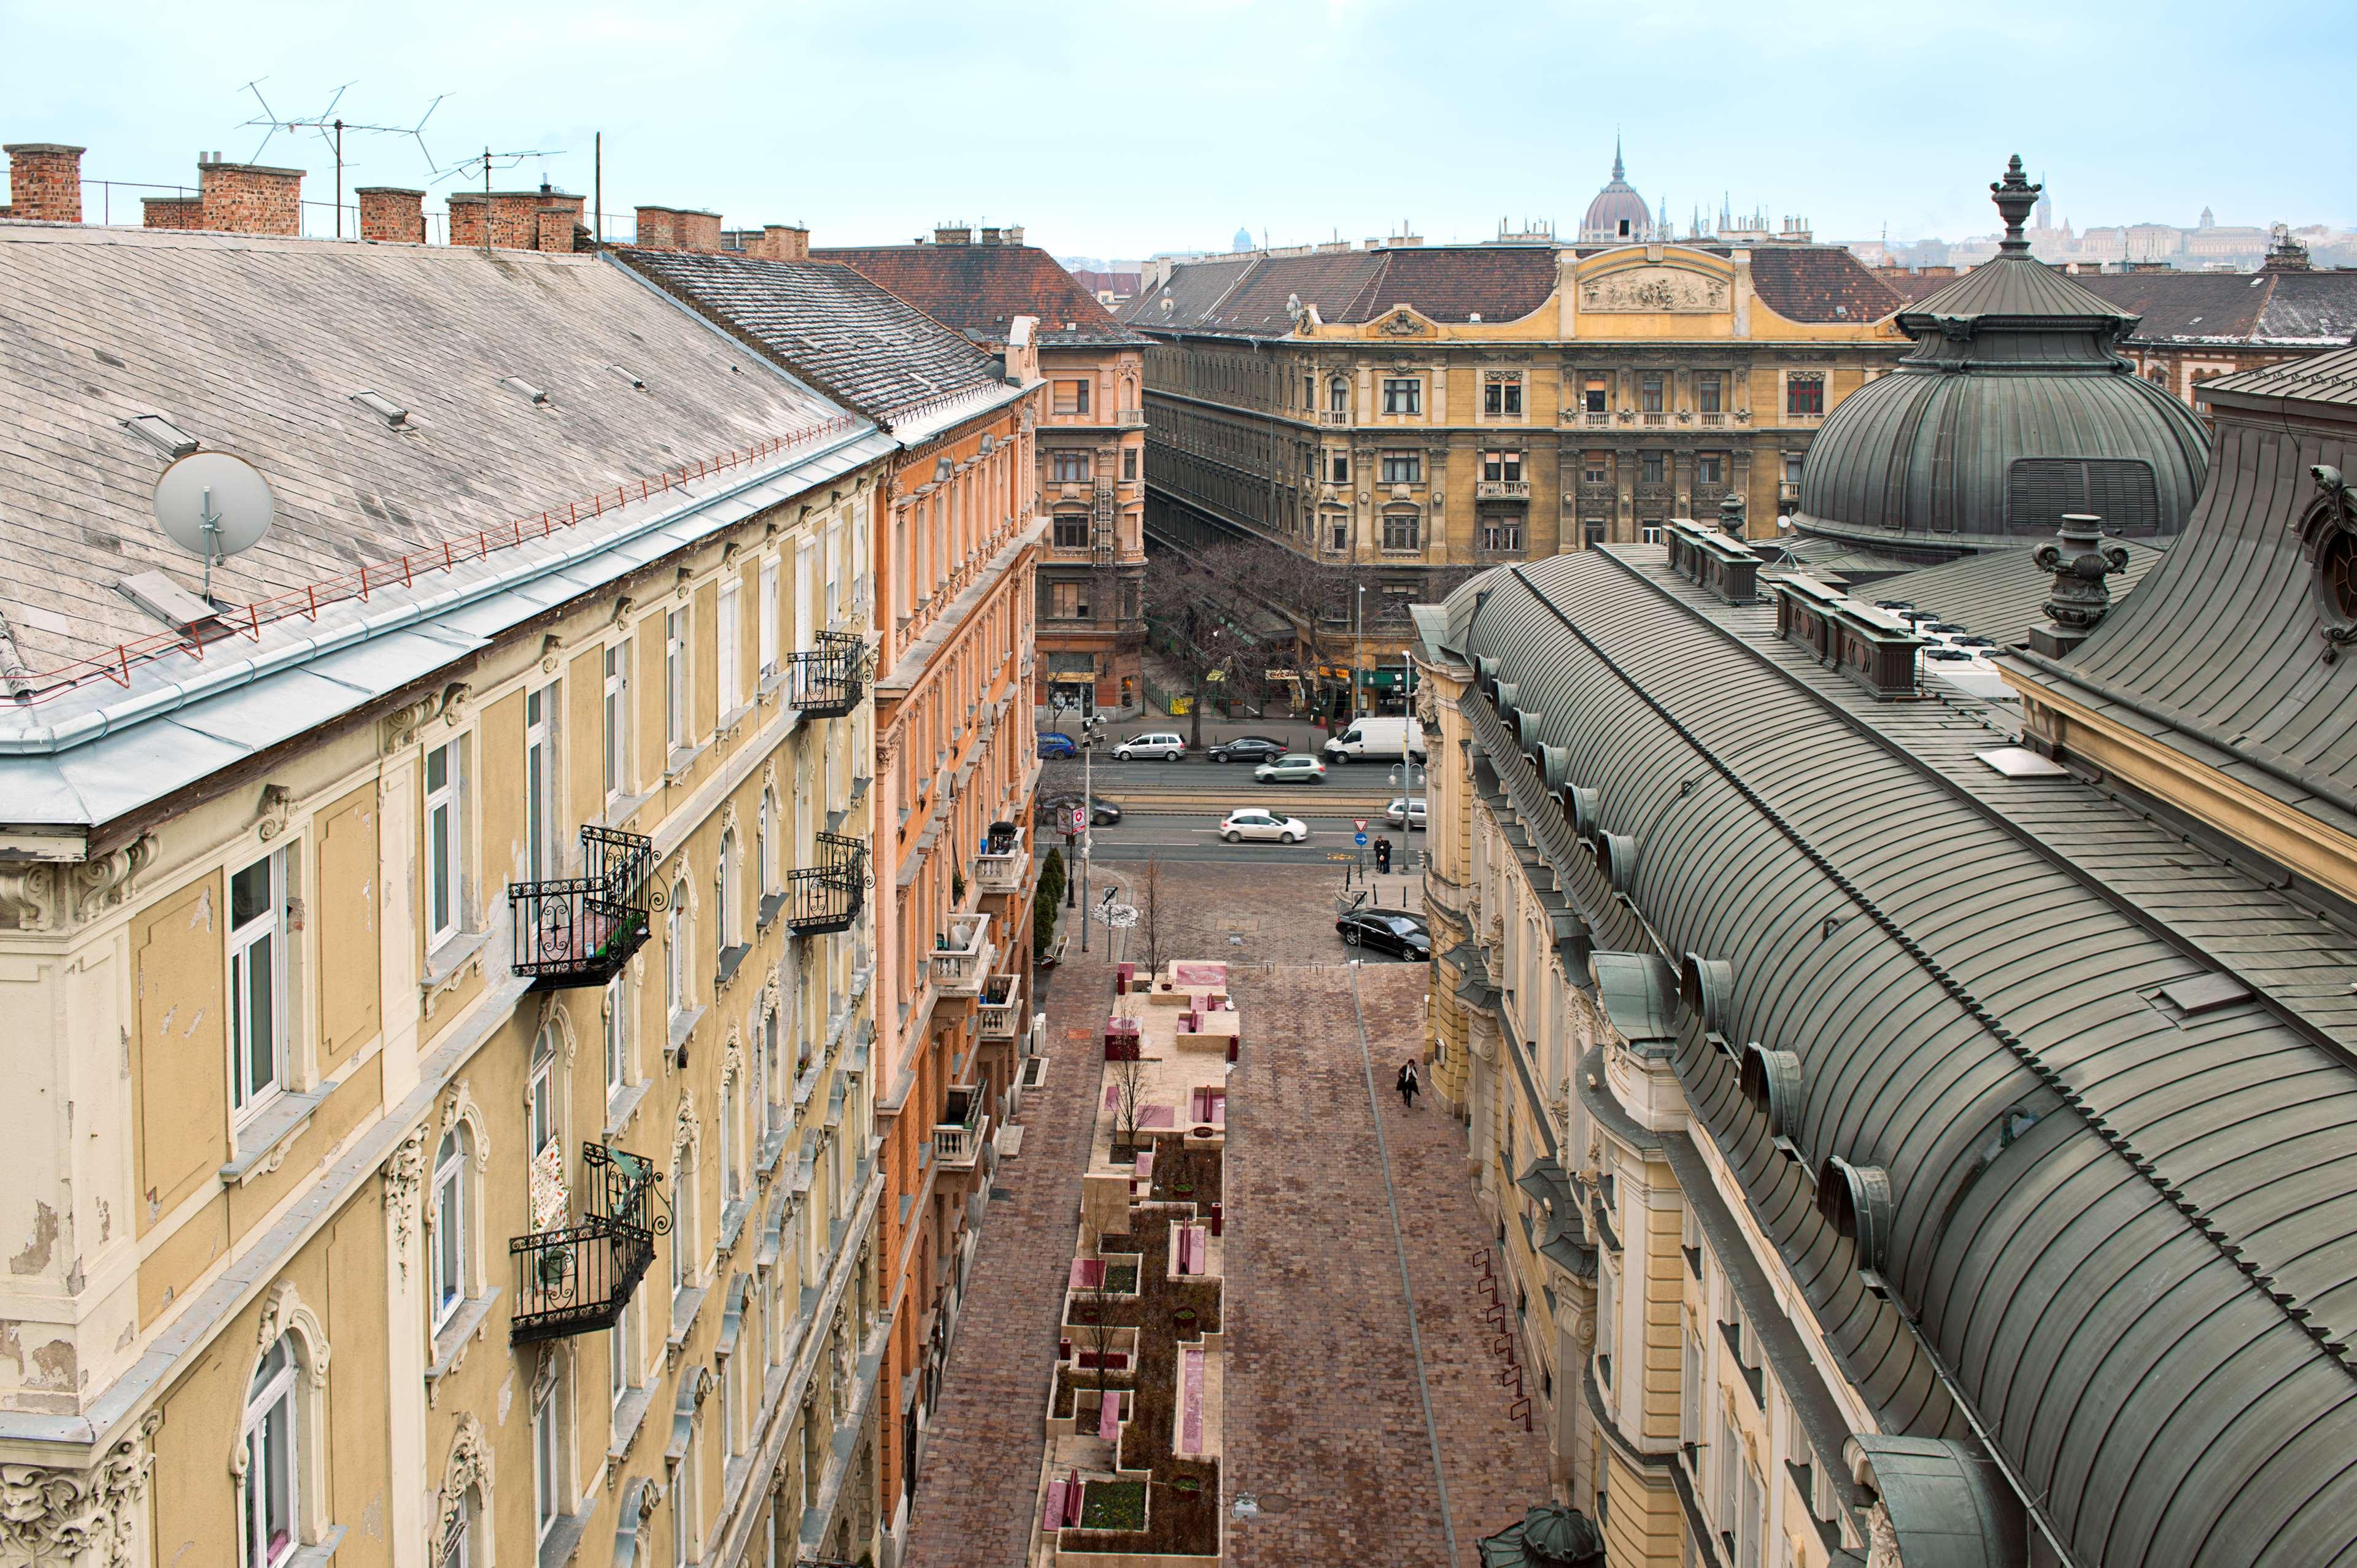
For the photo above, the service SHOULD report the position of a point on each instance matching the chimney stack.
(392, 213)
(44, 182)
(953, 234)
(783, 242)
(249, 198)
(1014, 234)
(658, 229)
(468, 212)
(990, 236)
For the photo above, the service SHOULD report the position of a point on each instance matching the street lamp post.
(1358, 644)
(1090, 728)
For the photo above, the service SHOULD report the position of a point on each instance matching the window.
(675, 961)
(732, 1184)
(773, 1068)
(1068, 601)
(618, 720)
(1341, 534)
(448, 1284)
(1592, 530)
(1129, 463)
(1651, 467)
(1592, 469)
(767, 624)
(1711, 468)
(622, 1350)
(1403, 467)
(1501, 533)
(539, 785)
(273, 1469)
(728, 884)
(1650, 531)
(1649, 394)
(1805, 394)
(257, 984)
(729, 651)
(676, 686)
(679, 1229)
(1341, 469)
(1792, 470)
(442, 836)
(765, 846)
(1594, 397)
(1072, 530)
(1338, 396)
(1399, 530)
(618, 1039)
(1502, 466)
(1501, 393)
(1403, 395)
(548, 1459)
(542, 1131)
(1069, 467)
(1706, 391)
(1072, 397)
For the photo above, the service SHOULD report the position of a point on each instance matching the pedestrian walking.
(1408, 1085)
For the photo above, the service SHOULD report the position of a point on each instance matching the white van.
(1374, 739)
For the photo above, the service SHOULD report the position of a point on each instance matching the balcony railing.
(961, 956)
(827, 896)
(828, 680)
(1130, 418)
(1001, 866)
(581, 930)
(579, 1278)
(1501, 489)
(1334, 416)
(1596, 419)
(1655, 419)
(1713, 419)
(995, 1014)
(958, 1138)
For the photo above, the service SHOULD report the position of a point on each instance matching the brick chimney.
(783, 242)
(990, 236)
(1014, 234)
(171, 212)
(658, 229)
(468, 211)
(392, 212)
(953, 234)
(698, 231)
(44, 182)
(248, 199)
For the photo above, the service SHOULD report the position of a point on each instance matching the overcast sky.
(1116, 130)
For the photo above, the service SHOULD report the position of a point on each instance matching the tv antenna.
(330, 127)
(484, 163)
(213, 505)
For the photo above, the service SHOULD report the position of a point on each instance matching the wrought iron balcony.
(961, 956)
(577, 1279)
(827, 896)
(580, 931)
(828, 680)
(994, 1012)
(1501, 489)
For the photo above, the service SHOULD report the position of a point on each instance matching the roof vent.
(1527, 725)
(162, 434)
(1586, 805)
(1706, 986)
(518, 383)
(1616, 854)
(166, 600)
(1856, 1198)
(1554, 768)
(1772, 1082)
(385, 408)
(638, 381)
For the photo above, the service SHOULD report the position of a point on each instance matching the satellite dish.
(213, 506)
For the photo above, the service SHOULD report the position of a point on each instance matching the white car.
(1404, 812)
(1252, 823)
(1158, 747)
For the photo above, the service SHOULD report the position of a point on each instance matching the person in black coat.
(1408, 1084)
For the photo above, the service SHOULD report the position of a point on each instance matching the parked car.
(1252, 823)
(1055, 743)
(1385, 930)
(1403, 812)
(1247, 748)
(1372, 738)
(1293, 767)
(1055, 812)
(1155, 745)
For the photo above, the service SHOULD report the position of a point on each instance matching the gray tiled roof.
(255, 346)
(831, 325)
(2263, 309)
(2119, 1229)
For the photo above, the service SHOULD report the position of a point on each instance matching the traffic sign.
(1361, 838)
(1361, 824)
(1080, 820)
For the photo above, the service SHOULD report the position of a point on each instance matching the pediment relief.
(1654, 289)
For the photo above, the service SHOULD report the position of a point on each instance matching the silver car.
(1293, 767)
(1403, 812)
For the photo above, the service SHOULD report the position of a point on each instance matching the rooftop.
(2266, 309)
(980, 289)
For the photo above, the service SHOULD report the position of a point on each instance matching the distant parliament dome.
(1618, 215)
(2013, 409)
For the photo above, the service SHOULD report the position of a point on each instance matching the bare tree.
(1097, 1303)
(1149, 909)
(1128, 1076)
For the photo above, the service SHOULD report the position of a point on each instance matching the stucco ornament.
(103, 881)
(2328, 532)
(470, 1469)
(78, 1516)
(404, 1175)
(1401, 324)
(687, 1132)
(1881, 1538)
(1427, 709)
(271, 813)
(401, 726)
(1644, 289)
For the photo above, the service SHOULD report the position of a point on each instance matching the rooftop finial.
(1617, 172)
(2015, 197)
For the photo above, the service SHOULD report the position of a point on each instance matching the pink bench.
(1158, 1116)
(1191, 1248)
(1190, 1398)
(1052, 1513)
(1142, 1172)
(1109, 1414)
(1072, 1496)
(1088, 1273)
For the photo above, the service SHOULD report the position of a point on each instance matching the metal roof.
(1999, 595)
(2118, 1234)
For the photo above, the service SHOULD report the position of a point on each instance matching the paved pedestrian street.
(1326, 1408)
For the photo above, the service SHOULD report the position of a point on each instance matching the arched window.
(450, 1271)
(273, 1438)
(545, 1135)
(675, 963)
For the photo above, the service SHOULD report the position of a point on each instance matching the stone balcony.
(1334, 416)
(961, 956)
(1130, 418)
(959, 1136)
(1003, 867)
(1501, 489)
(996, 1012)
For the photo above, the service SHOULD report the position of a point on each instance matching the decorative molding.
(551, 646)
(2328, 532)
(552, 1011)
(84, 1517)
(399, 727)
(30, 896)
(276, 802)
(104, 881)
(1653, 290)
(728, 816)
(460, 1108)
(404, 1178)
(286, 1313)
(687, 1132)
(472, 964)
(468, 1469)
(1402, 323)
(623, 607)
(731, 1057)
(772, 992)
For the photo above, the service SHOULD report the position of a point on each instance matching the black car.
(1055, 812)
(1249, 748)
(1385, 930)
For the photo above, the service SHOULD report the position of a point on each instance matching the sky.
(1116, 131)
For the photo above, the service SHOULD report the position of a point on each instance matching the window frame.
(1709, 388)
(279, 1398)
(1408, 525)
(547, 1460)
(1404, 390)
(766, 640)
(444, 860)
(447, 1275)
(679, 681)
(615, 719)
(617, 1042)
(1067, 465)
(728, 645)
(267, 931)
(541, 855)
(1403, 467)
(1804, 387)
(1071, 530)
(1501, 395)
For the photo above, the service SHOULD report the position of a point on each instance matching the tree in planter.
(1149, 906)
(1129, 1096)
(1098, 1328)
(1044, 900)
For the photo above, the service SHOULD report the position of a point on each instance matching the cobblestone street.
(1326, 1424)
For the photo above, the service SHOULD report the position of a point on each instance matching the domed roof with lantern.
(1617, 216)
(2014, 409)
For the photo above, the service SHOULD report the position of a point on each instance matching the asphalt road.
(1115, 781)
(1177, 836)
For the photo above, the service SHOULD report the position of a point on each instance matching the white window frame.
(547, 1462)
(618, 1037)
(622, 1351)
(275, 1406)
(446, 901)
(543, 1107)
(448, 1269)
(264, 933)
(730, 651)
(618, 720)
(540, 771)
(675, 957)
(679, 684)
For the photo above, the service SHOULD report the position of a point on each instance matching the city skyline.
(1348, 165)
